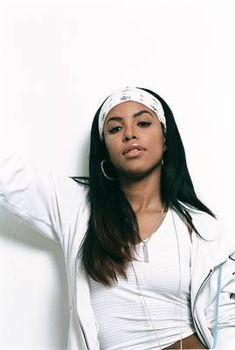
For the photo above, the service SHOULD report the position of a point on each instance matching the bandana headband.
(131, 94)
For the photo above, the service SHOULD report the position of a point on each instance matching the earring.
(162, 163)
(103, 171)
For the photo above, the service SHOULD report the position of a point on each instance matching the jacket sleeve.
(45, 202)
(226, 317)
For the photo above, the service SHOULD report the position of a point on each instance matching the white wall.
(58, 61)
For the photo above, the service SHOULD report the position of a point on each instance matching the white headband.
(131, 94)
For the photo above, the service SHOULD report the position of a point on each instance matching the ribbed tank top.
(147, 316)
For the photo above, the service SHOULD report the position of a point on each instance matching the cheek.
(112, 149)
(155, 138)
(156, 147)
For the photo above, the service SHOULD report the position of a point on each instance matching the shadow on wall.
(16, 235)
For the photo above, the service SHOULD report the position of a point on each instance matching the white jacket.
(57, 207)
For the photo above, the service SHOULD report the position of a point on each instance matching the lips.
(133, 147)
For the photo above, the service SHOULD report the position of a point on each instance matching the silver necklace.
(141, 294)
(145, 241)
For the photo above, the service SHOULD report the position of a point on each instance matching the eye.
(144, 124)
(114, 130)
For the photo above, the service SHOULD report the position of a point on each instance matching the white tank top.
(125, 319)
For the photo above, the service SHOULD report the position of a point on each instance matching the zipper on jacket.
(195, 321)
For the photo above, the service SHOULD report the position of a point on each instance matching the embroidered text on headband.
(131, 94)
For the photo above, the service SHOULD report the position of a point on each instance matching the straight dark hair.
(112, 233)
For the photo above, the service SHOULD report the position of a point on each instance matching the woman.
(149, 266)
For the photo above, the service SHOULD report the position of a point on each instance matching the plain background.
(58, 61)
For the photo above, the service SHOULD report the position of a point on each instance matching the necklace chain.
(179, 289)
(145, 241)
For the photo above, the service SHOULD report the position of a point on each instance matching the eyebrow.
(137, 114)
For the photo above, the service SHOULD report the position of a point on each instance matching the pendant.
(146, 253)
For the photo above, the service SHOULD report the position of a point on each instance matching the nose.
(129, 137)
(129, 134)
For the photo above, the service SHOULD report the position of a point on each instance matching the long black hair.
(113, 232)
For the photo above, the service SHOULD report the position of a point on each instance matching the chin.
(137, 174)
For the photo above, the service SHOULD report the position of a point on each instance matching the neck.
(144, 194)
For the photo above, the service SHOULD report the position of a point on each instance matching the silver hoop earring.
(162, 163)
(103, 171)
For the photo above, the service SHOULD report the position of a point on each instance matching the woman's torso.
(153, 306)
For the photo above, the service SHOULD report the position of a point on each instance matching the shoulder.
(201, 219)
(71, 193)
(212, 229)
(69, 184)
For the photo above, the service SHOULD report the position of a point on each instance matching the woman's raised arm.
(44, 201)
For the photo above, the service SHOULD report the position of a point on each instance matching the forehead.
(127, 107)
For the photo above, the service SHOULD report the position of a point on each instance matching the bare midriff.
(191, 342)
